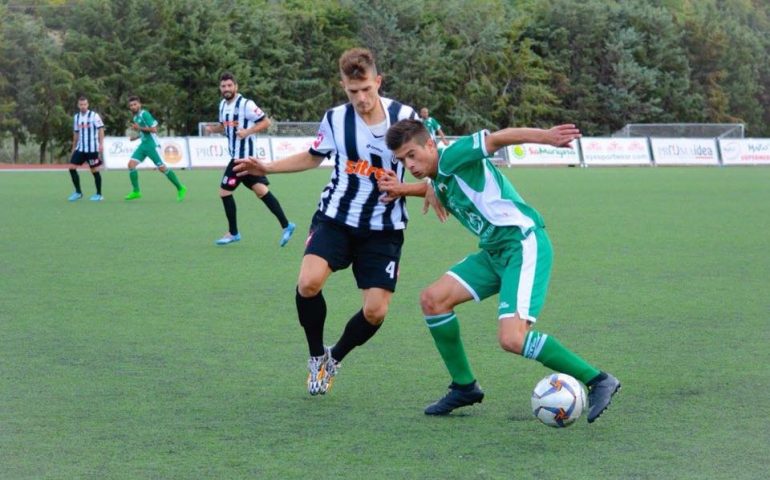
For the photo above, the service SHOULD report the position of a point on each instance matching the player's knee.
(375, 314)
(431, 303)
(309, 287)
(512, 339)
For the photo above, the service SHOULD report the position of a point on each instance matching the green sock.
(134, 176)
(445, 330)
(172, 177)
(548, 351)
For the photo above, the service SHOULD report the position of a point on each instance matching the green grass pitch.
(132, 347)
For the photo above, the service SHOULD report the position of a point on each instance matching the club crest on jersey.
(318, 139)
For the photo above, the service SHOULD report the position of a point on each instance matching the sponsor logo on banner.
(537, 154)
(118, 151)
(172, 153)
(214, 152)
(615, 151)
(749, 151)
(683, 151)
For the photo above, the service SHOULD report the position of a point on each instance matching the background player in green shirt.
(432, 125)
(514, 260)
(147, 127)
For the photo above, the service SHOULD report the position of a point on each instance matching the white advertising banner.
(537, 154)
(118, 150)
(599, 151)
(684, 151)
(282, 147)
(213, 152)
(745, 151)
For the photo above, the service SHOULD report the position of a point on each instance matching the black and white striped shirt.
(240, 113)
(87, 125)
(351, 197)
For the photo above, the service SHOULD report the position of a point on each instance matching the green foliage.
(475, 64)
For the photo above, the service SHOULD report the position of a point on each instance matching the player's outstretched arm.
(558, 136)
(394, 188)
(298, 162)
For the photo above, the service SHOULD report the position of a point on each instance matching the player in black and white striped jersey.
(356, 223)
(87, 145)
(240, 119)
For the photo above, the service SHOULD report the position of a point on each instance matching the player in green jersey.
(147, 128)
(432, 125)
(514, 260)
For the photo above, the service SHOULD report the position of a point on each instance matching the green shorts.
(519, 273)
(145, 150)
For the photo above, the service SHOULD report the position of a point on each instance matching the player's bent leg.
(437, 302)
(97, 197)
(311, 311)
(77, 194)
(263, 193)
(228, 202)
(133, 175)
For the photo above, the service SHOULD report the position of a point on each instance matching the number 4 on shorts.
(391, 269)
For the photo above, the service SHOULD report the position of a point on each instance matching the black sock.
(356, 333)
(312, 315)
(98, 182)
(75, 179)
(596, 379)
(232, 222)
(275, 207)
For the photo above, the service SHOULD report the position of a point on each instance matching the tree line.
(474, 63)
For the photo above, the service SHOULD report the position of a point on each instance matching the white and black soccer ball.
(558, 400)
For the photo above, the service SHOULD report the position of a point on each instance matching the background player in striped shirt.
(147, 126)
(432, 125)
(514, 260)
(354, 224)
(240, 119)
(87, 145)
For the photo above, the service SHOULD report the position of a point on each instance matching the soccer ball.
(558, 400)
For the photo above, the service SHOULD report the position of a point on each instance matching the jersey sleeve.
(324, 145)
(252, 112)
(75, 123)
(98, 121)
(464, 151)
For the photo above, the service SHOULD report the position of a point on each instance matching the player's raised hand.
(432, 202)
(249, 166)
(562, 135)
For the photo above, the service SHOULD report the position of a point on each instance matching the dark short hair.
(134, 98)
(82, 97)
(404, 131)
(356, 63)
(227, 76)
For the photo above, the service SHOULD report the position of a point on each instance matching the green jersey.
(432, 125)
(480, 196)
(144, 119)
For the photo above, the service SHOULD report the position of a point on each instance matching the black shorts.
(374, 254)
(79, 158)
(231, 181)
